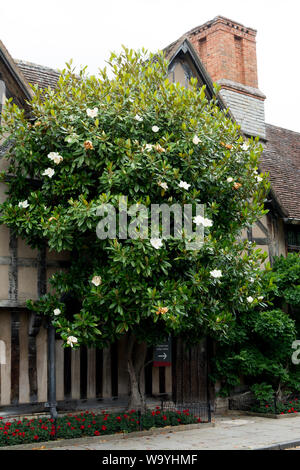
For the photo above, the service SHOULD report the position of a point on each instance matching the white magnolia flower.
(49, 172)
(229, 180)
(148, 147)
(196, 140)
(92, 112)
(163, 185)
(216, 273)
(55, 157)
(250, 299)
(155, 129)
(56, 311)
(184, 185)
(23, 204)
(72, 340)
(156, 243)
(208, 223)
(199, 220)
(139, 118)
(96, 280)
(245, 146)
(260, 297)
(251, 279)
(259, 179)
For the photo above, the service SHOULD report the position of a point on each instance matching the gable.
(184, 64)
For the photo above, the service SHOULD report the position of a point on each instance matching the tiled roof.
(281, 158)
(38, 74)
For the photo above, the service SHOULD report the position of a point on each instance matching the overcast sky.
(50, 33)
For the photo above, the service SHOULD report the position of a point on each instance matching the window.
(293, 238)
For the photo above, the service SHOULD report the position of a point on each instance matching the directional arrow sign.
(162, 354)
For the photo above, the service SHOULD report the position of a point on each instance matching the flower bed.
(89, 424)
(282, 408)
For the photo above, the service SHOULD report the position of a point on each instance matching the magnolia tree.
(135, 134)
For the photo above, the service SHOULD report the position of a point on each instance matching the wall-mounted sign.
(162, 354)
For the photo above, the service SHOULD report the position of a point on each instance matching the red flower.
(267, 406)
(94, 422)
(36, 438)
(158, 412)
(103, 428)
(179, 420)
(52, 433)
(157, 407)
(132, 411)
(153, 413)
(199, 420)
(164, 417)
(82, 427)
(118, 418)
(282, 413)
(96, 433)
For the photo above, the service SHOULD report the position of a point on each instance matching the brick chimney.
(227, 49)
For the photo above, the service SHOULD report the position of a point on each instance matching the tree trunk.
(136, 361)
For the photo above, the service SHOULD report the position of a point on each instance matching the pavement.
(229, 432)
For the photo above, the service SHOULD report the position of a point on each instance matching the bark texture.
(136, 361)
